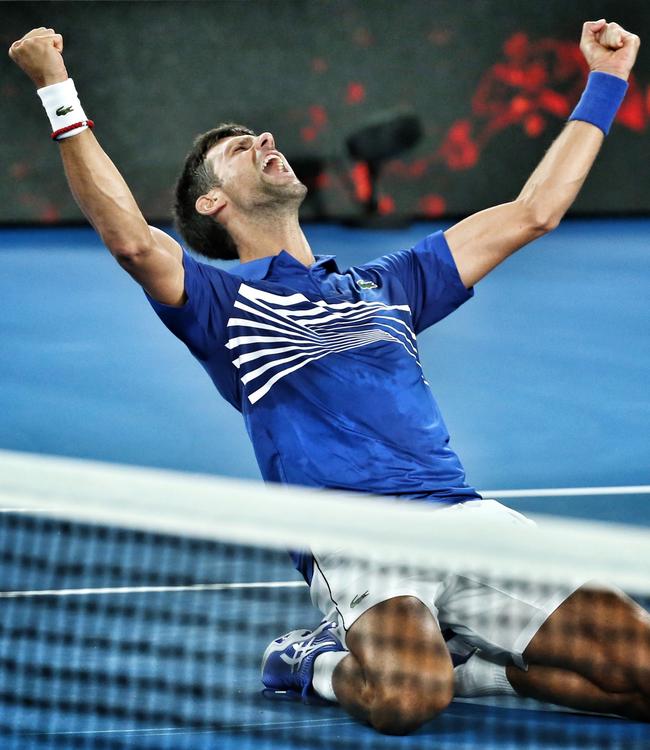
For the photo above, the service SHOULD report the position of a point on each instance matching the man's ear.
(211, 203)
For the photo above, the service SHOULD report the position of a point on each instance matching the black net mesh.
(115, 637)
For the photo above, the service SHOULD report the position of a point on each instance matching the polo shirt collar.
(255, 270)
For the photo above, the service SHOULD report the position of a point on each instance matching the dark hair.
(202, 233)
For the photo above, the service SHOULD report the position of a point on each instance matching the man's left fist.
(608, 48)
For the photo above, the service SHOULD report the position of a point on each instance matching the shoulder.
(202, 272)
(426, 255)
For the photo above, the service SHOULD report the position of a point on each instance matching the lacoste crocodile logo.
(358, 599)
(366, 285)
(64, 110)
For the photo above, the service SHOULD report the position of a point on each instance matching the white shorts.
(499, 618)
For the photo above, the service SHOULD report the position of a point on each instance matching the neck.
(269, 235)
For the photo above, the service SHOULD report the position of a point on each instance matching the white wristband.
(64, 109)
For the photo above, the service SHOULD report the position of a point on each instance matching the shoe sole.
(292, 695)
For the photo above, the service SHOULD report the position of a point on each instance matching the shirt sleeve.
(428, 275)
(201, 321)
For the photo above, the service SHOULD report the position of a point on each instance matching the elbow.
(128, 253)
(540, 218)
(129, 256)
(547, 223)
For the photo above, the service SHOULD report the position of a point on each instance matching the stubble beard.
(292, 194)
(276, 200)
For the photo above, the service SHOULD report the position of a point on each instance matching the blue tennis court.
(543, 380)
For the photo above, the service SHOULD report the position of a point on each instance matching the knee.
(401, 710)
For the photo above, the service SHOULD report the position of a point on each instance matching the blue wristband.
(600, 101)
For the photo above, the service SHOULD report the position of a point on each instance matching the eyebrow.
(235, 141)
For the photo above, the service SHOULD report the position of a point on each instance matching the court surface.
(543, 379)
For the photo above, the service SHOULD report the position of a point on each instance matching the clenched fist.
(608, 48)
(40, 54)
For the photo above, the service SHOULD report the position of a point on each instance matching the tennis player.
(323, 364)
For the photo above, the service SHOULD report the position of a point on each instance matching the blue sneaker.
(288, 662)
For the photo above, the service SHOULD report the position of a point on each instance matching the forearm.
(151, 257)
(482, 241)
(555, 183)
(103, 195)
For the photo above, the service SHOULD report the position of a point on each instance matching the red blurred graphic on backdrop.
(534, 86)
(355, 93)
(535, 83)
(317, 122)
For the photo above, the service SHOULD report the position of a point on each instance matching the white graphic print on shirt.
(289, 332)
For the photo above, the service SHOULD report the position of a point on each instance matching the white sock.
(324, 666)
(481, 677)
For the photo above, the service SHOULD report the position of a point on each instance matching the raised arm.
(483, 240)
(153, 258)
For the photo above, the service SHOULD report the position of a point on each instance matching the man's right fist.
(40, 54)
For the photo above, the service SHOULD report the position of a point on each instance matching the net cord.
(249, 513)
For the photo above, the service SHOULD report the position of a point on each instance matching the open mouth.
(275, 164)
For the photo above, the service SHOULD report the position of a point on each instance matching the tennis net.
(136, 606)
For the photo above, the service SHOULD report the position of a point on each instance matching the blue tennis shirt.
(324, 367)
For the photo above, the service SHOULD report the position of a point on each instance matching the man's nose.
(265, 141)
